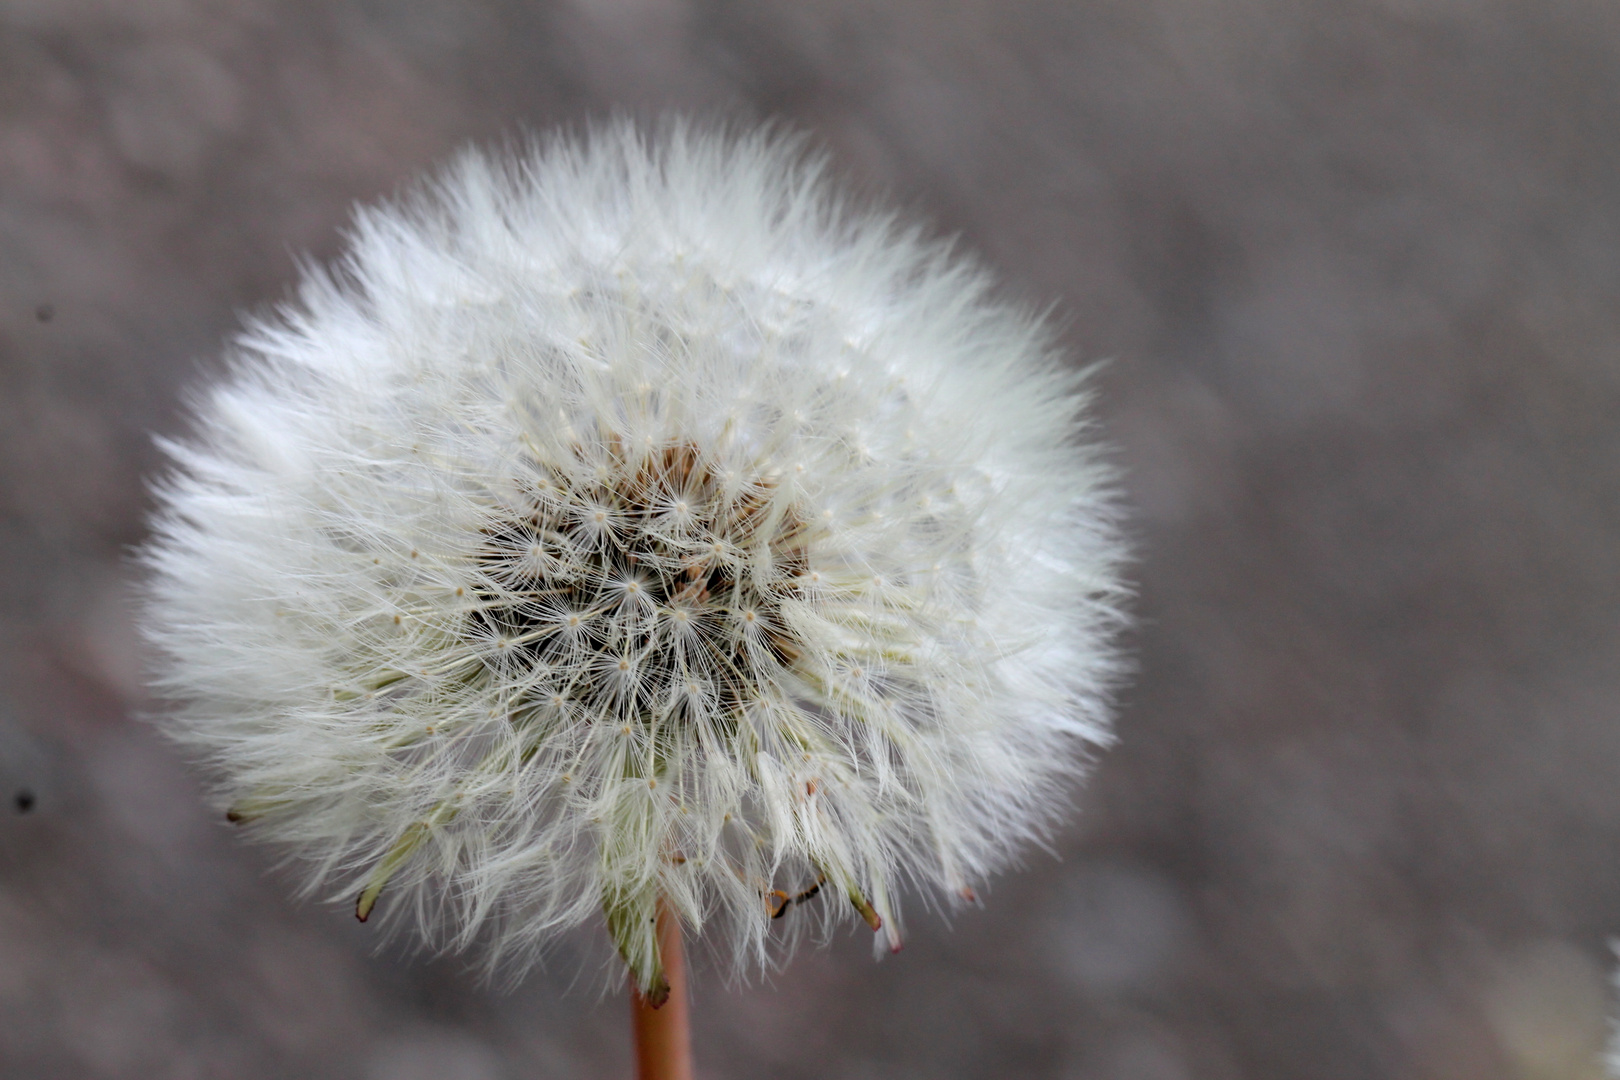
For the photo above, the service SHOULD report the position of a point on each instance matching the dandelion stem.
(663, 1034)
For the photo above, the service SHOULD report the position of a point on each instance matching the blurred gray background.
(1356, 265)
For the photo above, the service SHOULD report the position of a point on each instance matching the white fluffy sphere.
(631, 522)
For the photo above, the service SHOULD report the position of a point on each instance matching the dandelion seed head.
(727, 541)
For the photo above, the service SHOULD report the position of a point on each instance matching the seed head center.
(654, 603)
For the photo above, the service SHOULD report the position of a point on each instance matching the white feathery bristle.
(1611, 1055)
(632, 519)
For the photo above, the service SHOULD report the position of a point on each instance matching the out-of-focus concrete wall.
(1356, 266)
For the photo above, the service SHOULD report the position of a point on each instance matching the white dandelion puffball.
(628, 523)
(1611, 1056)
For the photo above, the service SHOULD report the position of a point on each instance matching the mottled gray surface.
(1356, 264)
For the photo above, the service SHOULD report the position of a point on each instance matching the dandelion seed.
(616, 389)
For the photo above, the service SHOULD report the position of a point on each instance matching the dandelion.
(630, 526)
(1611, 1055)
